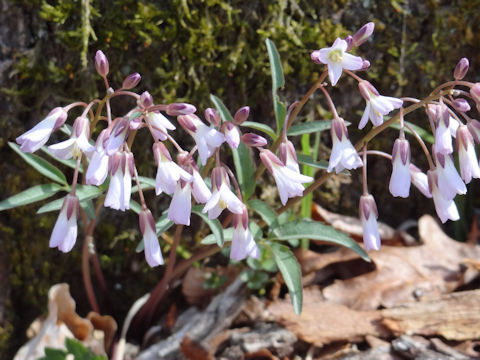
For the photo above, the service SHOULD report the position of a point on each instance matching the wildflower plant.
(199, 181)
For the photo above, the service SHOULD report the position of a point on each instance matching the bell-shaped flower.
(160, 124)
(344, 155)
(337, 59)
(232, 134)
(206, 138)
(120, 188)
(98, 168)
(243, 244)
(445, 207)
(377, 105)
(200, 190)
(289, 182)
(466, 153)
(401, 179)
(78, 142)
(118, 132)
(449, 182)
(420, 180)
(36, 137)
(440, 118)
(222, 196)
(153, 254)
(181, 206)
(64, 232)
(474, 128)
(288, 155)
(168, 172)
(368, 215)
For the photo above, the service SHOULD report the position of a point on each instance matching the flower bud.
(232, 134)
(212, 116)
(176, 109)
(101, 63)
(461, 105)
(241, 115)
(461, 69)
(365, 66)
(187, 122)
(363, 34)
(349, 40)
(315, 56)
(131, 81)
(254, 140)
(146, 100)
(475, 92)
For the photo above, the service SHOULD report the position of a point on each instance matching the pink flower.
(289, 182)
(401, 179)
(377, 105)
(466, 154)
(420, 180)
(64, 232)
(120, 188)
(337, 59)
(168, 172)
(344, 155)
(368, 215)
(243, 244)
(37, 136)
(445, 207)
(153, 254)
(78, 142)
(98, 168)
(222, 196)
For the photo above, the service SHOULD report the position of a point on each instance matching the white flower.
(36, 137)
(168, 172)
(344, 155)
(466, 154)
(377, 105)
(160, 125)
(368, 215)
(200, 190)
(337, 59)
(449, 182)
(117, 134)
(181, 206)
(445, 207)
(288, 155)
(153, 254)
(243, 244)
(420, 180)
(77, 143)
(64, 233)
(289, 182)
(120, 187)
(232, 134)
(222, 197)
(401, 179)
(98, 168)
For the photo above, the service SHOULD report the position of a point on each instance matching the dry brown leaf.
(194, 350)
(106, 324)
(406, 274)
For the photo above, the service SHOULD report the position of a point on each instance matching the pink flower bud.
(365, 65)
(349, 40)
(254, 140)
(131, 81)
(232, 134)
(212, 116)
(241, 115)
(475, 93)
(315, 56)
(146, 100)
(187, 123)
(461, 69)
(177, 109)
(461, 105)
(363, 34)
(101, 63)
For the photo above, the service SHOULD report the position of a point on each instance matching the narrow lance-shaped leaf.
(290, 269)
(84, 193)
(31, 195)
(278, 82)
(309, 127)
(41, 165)
(214, 224)
(261, 127)
(268, 215)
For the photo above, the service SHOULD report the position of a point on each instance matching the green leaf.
(211, 239)
(41, 165)
(31, 195)
(315, 230)
(241, 156)
(424, 134)
(290, 269)
(308, 160)
(70, 162)
(145, 183)
(76, 349)
(214, 224)
(135, 207)
(309, 127)
(84, 193)
(54, 354)
(261, 127)
(278, 81)
(268, 215)
(87, 205)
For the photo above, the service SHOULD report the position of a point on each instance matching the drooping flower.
(445, 207)
(64, 232)
(401, 178)
(222, 196)
(231, 133)
(449, 182)
(377, 105)
(36, 137)
(153, 254)
(243, 244)
(206, 138)
(98, 168)
(181, 206)
(289, 182)
(337, 59)
(420, 180)
(117, 134)
(120, 187)
(78, 142)
(168, 172)
(160, 124)
(344, 155)
(440, 118)
(368, 215)
(466, 153)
